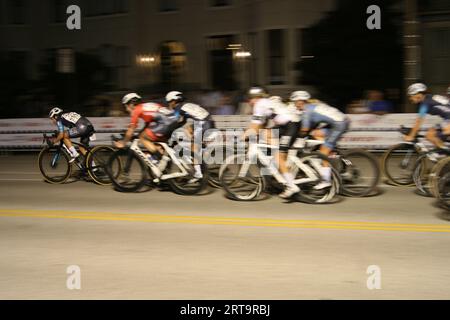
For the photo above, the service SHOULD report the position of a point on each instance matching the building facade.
(225, 44)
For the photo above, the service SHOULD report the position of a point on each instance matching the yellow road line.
(236, 221)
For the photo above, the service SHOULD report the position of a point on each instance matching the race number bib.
(150, 107)
(195, 111)
(72, 117)
(441, 99)
(329, 112)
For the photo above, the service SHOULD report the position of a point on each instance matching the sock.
(325, 172)
(73, 151)
(289, 178)
(198, 170)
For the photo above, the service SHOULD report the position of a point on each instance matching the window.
(16, 12)
(59, 9)
(220, 3)
(434, 5)
(168, 5)
(20, 61)
(276, 56)
(436, 55)
(105, 7)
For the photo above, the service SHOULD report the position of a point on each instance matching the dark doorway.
(221, 62)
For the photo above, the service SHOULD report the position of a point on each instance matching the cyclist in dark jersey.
(202, 122)
(436, 105)
(72, 125)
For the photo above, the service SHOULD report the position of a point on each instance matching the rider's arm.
(60, 134)
(418, 124)
(129, 133)
(306, 122)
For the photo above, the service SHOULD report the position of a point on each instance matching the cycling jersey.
(160, 122)
(202, 118)
(435, 105)
(192, 111)
(266, 109)
(321, 113)
(76, 125)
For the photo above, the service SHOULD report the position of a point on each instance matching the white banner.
(366, 130)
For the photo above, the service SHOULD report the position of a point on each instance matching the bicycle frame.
(156, 170)
(255, 152)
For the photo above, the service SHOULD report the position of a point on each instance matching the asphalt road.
(158, 245)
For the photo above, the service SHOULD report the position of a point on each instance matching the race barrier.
(367, 131)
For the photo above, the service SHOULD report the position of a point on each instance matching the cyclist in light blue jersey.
(315, 113)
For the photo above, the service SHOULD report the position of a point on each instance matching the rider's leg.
(147, 139)
(432, 136)
(68, 143)
(287, 139)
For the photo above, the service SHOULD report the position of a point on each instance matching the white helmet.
(174, 96)
(257, 92)
(300, 95)
(277, 99)
(416, 88)
(55, 112)
(130, 97)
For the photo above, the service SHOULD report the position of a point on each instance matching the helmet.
(174, 96)
(257, 92)
(300, 95)
(55, 112)
(131, 97)
(416, 88)
(276, 99)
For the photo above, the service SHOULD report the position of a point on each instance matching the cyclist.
(265, 109)
(202, 122)
(71, 125)
(159, 122)
(315, 113)
(434, 105)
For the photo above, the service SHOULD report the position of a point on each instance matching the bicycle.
(440, 182)
(134, 169)
(246, 182)
(425, 167)
(403, 156)
(55, 167)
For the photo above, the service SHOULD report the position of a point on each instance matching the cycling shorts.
(83, 130)
(288, 134)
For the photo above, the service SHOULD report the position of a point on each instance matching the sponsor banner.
(366, 130)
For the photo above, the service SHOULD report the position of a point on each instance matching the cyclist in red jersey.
(159, 123)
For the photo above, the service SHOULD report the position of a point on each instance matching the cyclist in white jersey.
(265, 109)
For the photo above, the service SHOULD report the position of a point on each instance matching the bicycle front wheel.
(127, 171)
(421, 175)
(398, 164)
(96, 162)
(241, 180)
(54, 165)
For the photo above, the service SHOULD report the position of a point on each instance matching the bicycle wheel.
(444, 191)
(127, 171)
(421, 175)
(308, 193)
(187, 185)
(242, 188)
(398, 164)
(96, 162)
(54, 165)
(359, 172)
(436, 176)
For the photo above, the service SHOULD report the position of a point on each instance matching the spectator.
(357, 107)
(376, 103)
